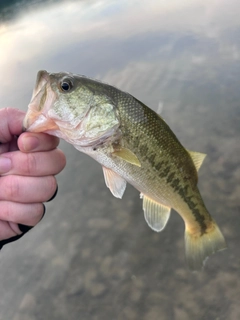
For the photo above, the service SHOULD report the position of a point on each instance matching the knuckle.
(12, 188)
(30, 164)
(51, 186)
(6, 210)
(58, 160)
(41, 212)
(62, 159)
(37, 213)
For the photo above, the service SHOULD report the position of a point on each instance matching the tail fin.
(199, 247)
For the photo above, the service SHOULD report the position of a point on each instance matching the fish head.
(71, 107)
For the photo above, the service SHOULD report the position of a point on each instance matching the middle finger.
(27, 189)
(33, 164)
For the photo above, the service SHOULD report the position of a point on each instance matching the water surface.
(93, 256)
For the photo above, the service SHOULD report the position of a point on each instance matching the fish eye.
(66, 85)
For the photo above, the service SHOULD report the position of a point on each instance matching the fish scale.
(143, 133)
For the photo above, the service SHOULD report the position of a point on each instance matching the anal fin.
(156, 214)
(114, 182)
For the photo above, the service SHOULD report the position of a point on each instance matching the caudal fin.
(199, 247)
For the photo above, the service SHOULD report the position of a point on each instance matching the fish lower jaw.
(39, 123)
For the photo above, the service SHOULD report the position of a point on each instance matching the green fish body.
(133, 144)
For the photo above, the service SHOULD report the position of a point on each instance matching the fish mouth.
(37, 119)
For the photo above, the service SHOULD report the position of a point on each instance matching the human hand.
(28, 165)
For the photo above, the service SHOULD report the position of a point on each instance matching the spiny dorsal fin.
(160, 117)
(142, 104)
(197, 158)
(114, 182)
(156, 214)
(127, 155)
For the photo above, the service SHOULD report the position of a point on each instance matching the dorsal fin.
(142, 104)
(197, 158)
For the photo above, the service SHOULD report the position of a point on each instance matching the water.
(93, 256)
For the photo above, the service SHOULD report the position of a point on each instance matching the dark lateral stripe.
(165, 172)
(151, 159)
(183, 191)
(175, 184)
(170, 177)
(143, 149)
(159, 165)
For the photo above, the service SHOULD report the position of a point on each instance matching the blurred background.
(93, 256)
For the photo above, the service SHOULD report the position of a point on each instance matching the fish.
(134, 145)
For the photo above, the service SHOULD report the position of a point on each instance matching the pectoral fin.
(197, 158)
(114, 182)
(127, 155)
(156, 214)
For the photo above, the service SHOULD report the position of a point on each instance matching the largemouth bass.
(133, 144)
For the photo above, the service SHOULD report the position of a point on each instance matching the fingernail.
(54, 195)
(24, 228)
(5, 164)
(3, 242)
(30, 143)
(44, 210)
